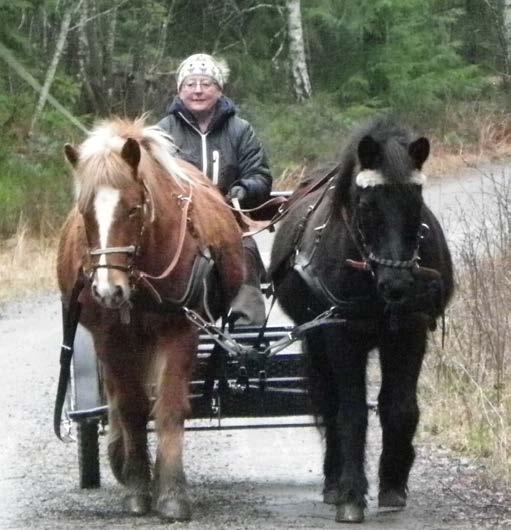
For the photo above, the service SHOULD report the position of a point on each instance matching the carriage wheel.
(88, 454)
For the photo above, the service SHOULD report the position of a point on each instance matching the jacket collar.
(224, 110)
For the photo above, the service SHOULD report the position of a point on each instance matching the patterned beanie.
(203, 64)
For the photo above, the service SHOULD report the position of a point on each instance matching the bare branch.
(97, 15)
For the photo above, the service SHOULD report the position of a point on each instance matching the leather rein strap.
(284, 205)
(144, 276)
(71, 315)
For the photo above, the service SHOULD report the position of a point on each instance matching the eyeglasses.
(202, 83)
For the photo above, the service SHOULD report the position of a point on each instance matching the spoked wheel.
(88, 454)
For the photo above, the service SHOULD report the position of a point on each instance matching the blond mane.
(100, 162)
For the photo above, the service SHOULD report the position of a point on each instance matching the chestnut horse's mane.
(100, 162)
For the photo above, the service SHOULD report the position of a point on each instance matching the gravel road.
(259, 479)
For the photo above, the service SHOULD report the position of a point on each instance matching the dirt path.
(239, 479)
(267, 478)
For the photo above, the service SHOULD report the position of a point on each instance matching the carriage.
(359, 263)
(252, 388)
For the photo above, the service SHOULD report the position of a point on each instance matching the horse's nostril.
(395, 295)
(95, 291)
(118, 292)
(394, 291)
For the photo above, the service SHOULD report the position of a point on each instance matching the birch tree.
(50, 74)
(506, 22)
(302, 86)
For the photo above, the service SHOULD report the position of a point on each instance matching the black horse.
(365, 245)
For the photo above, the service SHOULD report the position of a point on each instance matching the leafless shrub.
(468, 383)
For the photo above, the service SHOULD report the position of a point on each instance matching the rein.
(281, 202)
(368, 257)
(354, 309)
(144, 276)
(132, 251)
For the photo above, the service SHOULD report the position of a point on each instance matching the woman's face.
(199, 93)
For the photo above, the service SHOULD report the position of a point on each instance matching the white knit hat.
(203, 64)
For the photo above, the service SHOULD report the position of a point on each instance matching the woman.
(209, 134)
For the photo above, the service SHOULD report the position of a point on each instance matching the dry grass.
(474, 136)
(467, 385)
(27, 264)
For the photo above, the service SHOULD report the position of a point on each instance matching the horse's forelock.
(397, 166)
(101, 164)
(100, 170)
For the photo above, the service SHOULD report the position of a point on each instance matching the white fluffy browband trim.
(369, 178)
(418, 178)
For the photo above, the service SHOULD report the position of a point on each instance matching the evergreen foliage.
(416, 57)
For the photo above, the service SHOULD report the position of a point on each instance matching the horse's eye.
(368, 214)
(132, 212)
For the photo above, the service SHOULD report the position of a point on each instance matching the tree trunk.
(302, 87)
(163, 35)
(108, 26)
(83, 61)
(50, 74)
(135, 90)
(506, 22)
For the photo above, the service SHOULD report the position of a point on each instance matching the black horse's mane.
(395, 163)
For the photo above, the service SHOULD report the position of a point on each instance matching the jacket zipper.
(204, 146)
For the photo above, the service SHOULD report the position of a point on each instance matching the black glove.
(238, 192)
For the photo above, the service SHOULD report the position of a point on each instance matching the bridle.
(132, 251)
(370, 258)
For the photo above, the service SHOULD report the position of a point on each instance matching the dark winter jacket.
(230, 140)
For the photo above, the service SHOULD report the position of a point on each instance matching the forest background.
(303, 72)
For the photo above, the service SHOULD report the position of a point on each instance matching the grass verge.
(466, 386)
(27, 264)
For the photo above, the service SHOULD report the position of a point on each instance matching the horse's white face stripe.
(368, 178)
(105, 204)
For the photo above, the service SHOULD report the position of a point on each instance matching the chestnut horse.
(150, 234)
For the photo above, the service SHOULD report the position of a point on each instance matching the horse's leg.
(115, 436)
(348, 358)
(128, 414)
(323, 389)
(332, 465)
(171, 408)
(401, 356)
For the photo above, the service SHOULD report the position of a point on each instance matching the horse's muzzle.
(395, 285)
(112, 294)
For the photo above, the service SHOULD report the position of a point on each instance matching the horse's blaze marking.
(368, 178)
(105, 203)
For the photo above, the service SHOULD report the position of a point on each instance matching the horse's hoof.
(392, 499)
(331, 495)
(138, 504)
(174, 508)
(349, 512)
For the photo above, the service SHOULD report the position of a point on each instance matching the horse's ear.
(369, 152)
(131, 152)
(71, 154)
(419, 151)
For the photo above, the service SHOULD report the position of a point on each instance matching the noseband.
(137, 276)
(130, 250)
(369, 257)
